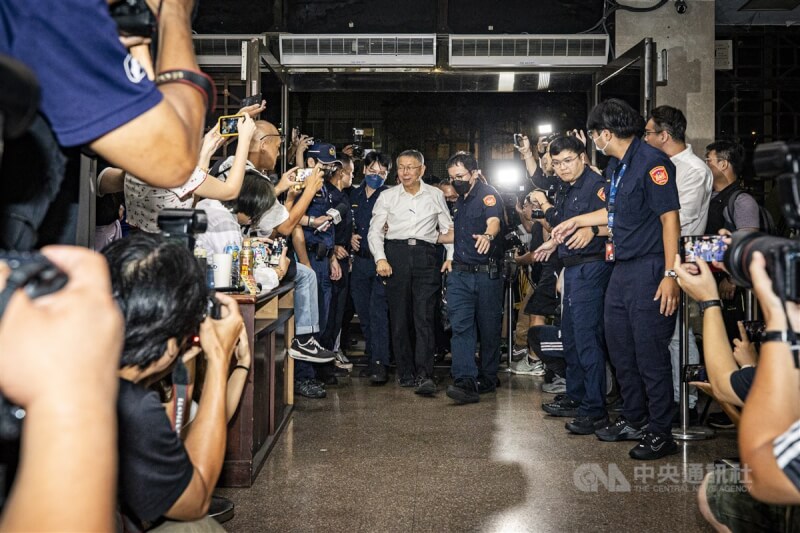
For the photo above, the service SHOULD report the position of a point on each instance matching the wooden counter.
(268, 395)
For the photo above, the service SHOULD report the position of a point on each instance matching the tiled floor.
(382, 459)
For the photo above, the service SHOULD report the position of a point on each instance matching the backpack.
(766, 222)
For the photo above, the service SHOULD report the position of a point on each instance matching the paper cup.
(222, 270)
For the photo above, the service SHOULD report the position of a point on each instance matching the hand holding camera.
(702, 287)
(218, 337)
(744, 349)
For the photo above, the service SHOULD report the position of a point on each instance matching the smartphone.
(706, 247)
(518, 140)
(544, 129)
(694, 373)
(755, 329)
(251, 100)
(229, 125)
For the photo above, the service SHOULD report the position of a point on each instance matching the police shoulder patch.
(489, 200)
(659, 175)
(601, 193)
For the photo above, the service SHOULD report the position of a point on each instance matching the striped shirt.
(787, 453)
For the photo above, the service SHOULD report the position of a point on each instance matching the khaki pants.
(204, 525)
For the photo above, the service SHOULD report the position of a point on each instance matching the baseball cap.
(323, 152)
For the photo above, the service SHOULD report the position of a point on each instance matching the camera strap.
(612, 198)
(180, 386)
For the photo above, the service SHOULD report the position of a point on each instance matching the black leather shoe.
(654, 446)
(425, 387)
(407, 381)
(463, 391)
(562, 407)
(378, 374)
(587, 425)
(220, 509)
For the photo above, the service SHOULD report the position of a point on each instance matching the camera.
(247, 101)
(754, 329)
(681, 7)
(133, 18)
(228, 125)
(358, 137)
(182, 224)
(694, 373)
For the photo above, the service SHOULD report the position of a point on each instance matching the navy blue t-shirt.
(646, 191)
(90, 84)
(470, 216)
(319, 206)
(585, 195)
(362, 213)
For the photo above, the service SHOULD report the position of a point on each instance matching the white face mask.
(603, 149)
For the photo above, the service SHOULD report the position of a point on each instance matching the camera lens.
(781, 255)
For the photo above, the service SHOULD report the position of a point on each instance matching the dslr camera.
(358, 138)
(781, 161)
(133, 18)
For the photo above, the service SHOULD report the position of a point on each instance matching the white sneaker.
(311, 351)
(518, 352)
(342, 361)
(558, 386)
(527, 367)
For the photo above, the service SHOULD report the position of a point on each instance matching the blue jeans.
(306, 314)
(369, 300)
(583, 336)
(475, 308)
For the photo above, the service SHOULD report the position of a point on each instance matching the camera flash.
(544, 129)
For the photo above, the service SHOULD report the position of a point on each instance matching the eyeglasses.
(564, 162)
(280, 135)
(461, 177)
(378, 171)
(408, 169)
(650, 132)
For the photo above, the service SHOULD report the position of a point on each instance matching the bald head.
(262, 128)
(264, 146)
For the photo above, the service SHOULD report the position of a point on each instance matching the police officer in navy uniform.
(586, 277)
(642, 295)
(367, 289)
(474, 284)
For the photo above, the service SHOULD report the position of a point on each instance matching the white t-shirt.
(694, 181)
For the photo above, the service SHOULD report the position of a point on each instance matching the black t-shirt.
(742, 381)
(154, 468)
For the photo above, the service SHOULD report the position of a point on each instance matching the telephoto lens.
(782, 257)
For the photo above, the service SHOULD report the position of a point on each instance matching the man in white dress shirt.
(405, 256)
(666, 130)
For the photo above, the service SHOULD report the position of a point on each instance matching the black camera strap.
(180, 399)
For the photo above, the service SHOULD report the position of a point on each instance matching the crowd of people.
(112, 413)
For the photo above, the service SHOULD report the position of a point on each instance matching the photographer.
(586, 276)
(162, 293)
(66, 476)
(764, 495)
(95, 93)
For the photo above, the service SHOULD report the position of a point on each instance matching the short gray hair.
(416, 154)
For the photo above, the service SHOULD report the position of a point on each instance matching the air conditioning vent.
(221, 50)
(404, 50)
(528, 50)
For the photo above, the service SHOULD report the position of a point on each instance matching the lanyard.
(612, 197)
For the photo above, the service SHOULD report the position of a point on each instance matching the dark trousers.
(338, 303)
(638, 336)
(411, 292)
(582, 330)
(303, 370)
(475, 308)
(369, 300)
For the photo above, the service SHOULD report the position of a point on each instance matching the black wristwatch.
(709, 303)
(595, 231)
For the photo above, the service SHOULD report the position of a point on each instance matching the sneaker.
(309, 389)
(621, 430)
(342, 361)
(558, 386)
(463, 390)
(562, 407)
(311, 351)
(587, 425)
(720, 421)
(486, 385)
(407, 381)
(425, 386)
(527, 367)
(377, 373)
(518, 352)
(654, 446)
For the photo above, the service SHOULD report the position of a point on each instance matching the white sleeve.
(195, 180)
(375, 237)
(692, 194)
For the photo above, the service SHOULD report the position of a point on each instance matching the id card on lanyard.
(612, 201)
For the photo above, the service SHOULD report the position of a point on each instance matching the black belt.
(411, 242)
(573, 260)
(319, 250)
(461, 267)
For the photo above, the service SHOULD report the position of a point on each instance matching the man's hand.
(348, 150)
(482, 243)
(287, 181)
(669, 292)
(543, 252)
(31, 370)
(242, 353)
(253, 110)
(221, 334)
(539, 196)
(383, 268)
(336, 270)
(727, 290)
(247, 127)
(319, 221)
(564, 230)
(701, 287)
(774, 315)
(303, 142)
(315, 181)
(340, 252)
(580, 239)
(212, 141)
(355, 242)
(541, 144)
(743, 350)
(447, 266)
(284, 262)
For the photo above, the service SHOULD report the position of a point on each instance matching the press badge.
(611, 256)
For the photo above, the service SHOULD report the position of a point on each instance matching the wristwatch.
(489, 237)
(670, 274)
(595, 230)
(709, 303)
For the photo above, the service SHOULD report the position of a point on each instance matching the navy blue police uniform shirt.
(470, 216)
(646, 191)
(585, 195)
(362, 206)
(319, 207)
(344, 229)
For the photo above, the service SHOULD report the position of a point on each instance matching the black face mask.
(461, 187)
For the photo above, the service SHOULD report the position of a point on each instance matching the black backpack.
(766, 222)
